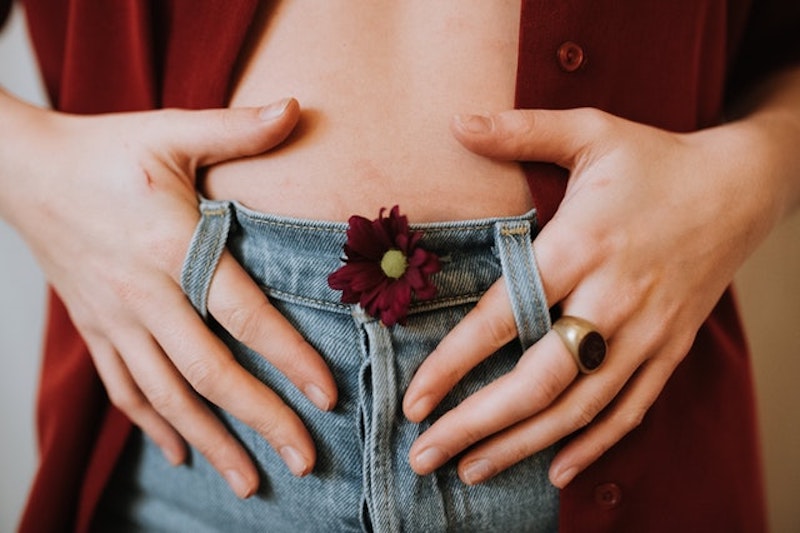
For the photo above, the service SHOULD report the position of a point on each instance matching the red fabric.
(99, 57)
(694, 462)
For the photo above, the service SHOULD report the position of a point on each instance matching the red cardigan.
(692, 465)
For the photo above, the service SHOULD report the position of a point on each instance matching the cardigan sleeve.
(770, 42)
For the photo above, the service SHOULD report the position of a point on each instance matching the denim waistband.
(292, 258)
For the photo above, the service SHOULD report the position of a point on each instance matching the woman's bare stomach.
(379, 83)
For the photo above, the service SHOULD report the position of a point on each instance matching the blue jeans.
(362, 480)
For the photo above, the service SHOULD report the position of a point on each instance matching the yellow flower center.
(394, 263)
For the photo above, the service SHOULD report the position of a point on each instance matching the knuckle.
(597, 448)
(128, 401)
(215, 446)
(126, 291)
(296, 352)
(168, 251)
(585, 412)
(497, 329)
(230, 122)
(242, 321)
(87, 323)
(165, 400)
(632, 418)
(595, 121)
(237, 126)
(594, 239)
(203, 374)
(516, 450)
(513, 125)
(677, 353)
(268, 427)
(129, 290)
(277, 425)
(545, 389)
(295, 360)
(513, 131)
(470, 434)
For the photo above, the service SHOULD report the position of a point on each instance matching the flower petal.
(393, 303)
(362, 240)
(362, 278)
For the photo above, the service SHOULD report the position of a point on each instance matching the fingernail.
(296, 462)
(275, 110)
(238, 483)
(475, 123)
(562, 478)
(477, 471)
(430, 459)
(318, 397)
(419, 408)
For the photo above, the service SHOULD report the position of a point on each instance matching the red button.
(570, 56)
(608, 495)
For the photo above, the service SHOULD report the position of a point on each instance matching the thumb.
(202, 138)
(560, 137)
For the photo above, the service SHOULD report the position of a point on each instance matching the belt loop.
(205, 250)
(514, 241)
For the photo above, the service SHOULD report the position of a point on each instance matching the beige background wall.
(21, 312)
(769, 292)
(769, 288)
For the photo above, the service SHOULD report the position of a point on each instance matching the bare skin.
(379, 84)
(378, 130)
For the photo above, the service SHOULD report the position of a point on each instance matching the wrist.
(772, 144)
(21, 138)
(769, 118)
(745, 177)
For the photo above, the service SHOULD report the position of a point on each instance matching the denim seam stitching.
(415, 308)
(436, 303)
(211, 260)
(295, 297)
(514, 236)
(317, 227)
(311, 227)
(198, 291)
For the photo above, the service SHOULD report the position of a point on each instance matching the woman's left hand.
(650, 233)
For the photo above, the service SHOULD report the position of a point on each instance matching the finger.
(541, 375)
(168, 393)
(486, 328)
(202, 138)
(577, 408)
(560, 270)
(126, 396)
(627, 413)
(571, 138)
(241, 307)
(553, 136)
(205, 362)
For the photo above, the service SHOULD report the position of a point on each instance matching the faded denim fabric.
(362, 480)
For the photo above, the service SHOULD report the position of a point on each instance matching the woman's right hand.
(107, 204)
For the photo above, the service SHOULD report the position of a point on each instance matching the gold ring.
(587, 346)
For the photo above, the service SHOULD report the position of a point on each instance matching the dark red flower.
(385, 268)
